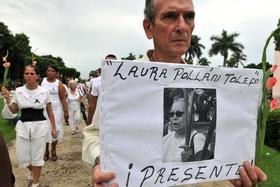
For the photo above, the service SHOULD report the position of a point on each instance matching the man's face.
(173, 26)
(51, 73)
(178, 116)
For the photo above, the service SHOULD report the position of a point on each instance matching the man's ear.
(148, 28)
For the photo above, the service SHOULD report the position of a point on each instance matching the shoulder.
(21, 88)
(44, 80)
(57, 82)
(168, 136)
(96, 81)
(198, 135)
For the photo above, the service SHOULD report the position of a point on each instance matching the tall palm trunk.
(225, 59)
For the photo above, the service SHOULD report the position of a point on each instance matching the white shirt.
(171, 151)
(95, 86)
(53, 89)
(37, 99)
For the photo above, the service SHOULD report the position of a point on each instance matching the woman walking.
(74, 106)
(59, 105)
(32, 127)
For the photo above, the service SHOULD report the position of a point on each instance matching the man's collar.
(150, 53)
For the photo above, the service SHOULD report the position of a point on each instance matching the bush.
(272, 134)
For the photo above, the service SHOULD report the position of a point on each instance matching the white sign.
(165, 124)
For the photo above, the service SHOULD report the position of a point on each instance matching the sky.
(83, 32)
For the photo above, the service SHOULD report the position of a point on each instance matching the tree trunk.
(225, 60)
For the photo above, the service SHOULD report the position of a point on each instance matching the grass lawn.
(6, 128)
(271, 165)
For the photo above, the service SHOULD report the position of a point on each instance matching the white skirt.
(58, 118)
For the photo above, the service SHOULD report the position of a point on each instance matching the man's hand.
(249, 176)
(98, 177)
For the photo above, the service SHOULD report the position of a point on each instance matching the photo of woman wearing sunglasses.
(188, 135)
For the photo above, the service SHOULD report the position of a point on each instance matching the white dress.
(74, 108)
(57, 108)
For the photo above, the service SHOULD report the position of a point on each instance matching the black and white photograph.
(189, 124)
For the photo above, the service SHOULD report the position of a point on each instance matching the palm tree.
(225, 43)
(131, 56)
(194, 50)
(203, 62)
(235, 59)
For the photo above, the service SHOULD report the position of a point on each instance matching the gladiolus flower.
(7, 64)
(4, 59)
(273, 68)
(271, 81)
(273, 104)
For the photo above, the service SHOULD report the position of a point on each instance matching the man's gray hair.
(149, 11)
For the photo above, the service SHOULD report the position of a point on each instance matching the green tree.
(68, 72)
(21, 51)
(225, 43)
(236, 59)
(203, 62)
(258, 66)
(131, 56)
(45, 60)
(20, 55)
(194, 50)
(6, 39)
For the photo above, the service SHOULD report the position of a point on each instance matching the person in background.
(32, 127)
(74, 101)
(95, 91)
(170, 24)
(82, 92)
(59, 106)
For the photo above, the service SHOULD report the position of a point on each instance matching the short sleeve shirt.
(95, 86)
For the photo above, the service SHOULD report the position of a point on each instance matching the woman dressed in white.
(32, 127)
(74, 106)
(59, 105)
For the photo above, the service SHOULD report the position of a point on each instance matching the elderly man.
(170, 24)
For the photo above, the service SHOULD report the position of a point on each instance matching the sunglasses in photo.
(177, 113)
